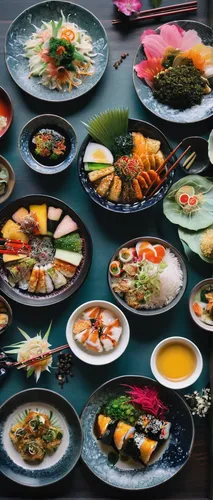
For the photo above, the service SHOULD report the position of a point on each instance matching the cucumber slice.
(89, 167)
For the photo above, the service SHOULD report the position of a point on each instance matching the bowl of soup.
(176, 362)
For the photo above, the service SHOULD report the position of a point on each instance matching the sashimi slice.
(66, 226)
(83, 336)
(108, 329)
(107, 317)
(160, 253)
(93, 342)
(80, 325)
(114, 332)
(91, 313)
(107, 343)
(190, 39)
(171, 35)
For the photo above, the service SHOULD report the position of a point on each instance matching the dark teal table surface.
(108, 231)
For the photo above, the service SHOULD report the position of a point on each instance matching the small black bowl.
(199, 145)
(148, 130)
(149, 312)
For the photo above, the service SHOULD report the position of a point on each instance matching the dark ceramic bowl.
(166, 466)
(23, 27)
(36, 300)
(52, 122)
(55, 467)
(11, 182)
(9, 312)
(149, 131)
(6, 109)
(190, 115)
(195, 290)
(199, 145)
(174, 302)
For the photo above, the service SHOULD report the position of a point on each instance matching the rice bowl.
(147, 276)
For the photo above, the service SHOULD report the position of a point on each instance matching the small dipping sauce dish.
(176, 362)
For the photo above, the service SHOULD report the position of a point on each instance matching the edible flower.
(31, 347)
(148, 69)
(127, 7)
(170, 36)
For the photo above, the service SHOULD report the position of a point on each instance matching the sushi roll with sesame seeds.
(140, 447)
(105, 427)
(153, 428)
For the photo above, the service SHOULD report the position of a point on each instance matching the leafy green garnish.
(64, 53)
(148, 279)
(123, 145)
(104, 128)
(121, 408)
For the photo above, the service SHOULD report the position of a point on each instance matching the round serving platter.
(23, 297)
(53, 467)
(23, 27)
(166, 466)
(190, 115)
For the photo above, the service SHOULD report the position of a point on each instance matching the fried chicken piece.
(121, 285)
(130, 269)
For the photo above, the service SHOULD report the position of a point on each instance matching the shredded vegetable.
(148, 399)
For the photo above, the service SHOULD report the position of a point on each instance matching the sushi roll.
(34, 279)
(24, 283)
(140, 447)
(53, 217)
(58, 278)
(123, 432)
(153, 428)
(105, 427)
(41, 285)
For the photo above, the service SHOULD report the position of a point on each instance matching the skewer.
(32, 361)
(170, 170)
(160, 169)
(162, 11)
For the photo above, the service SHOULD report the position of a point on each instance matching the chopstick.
(170, 170)
(160, 169)
(32, 361)
(162, 11)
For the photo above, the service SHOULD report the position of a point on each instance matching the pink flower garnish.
(148, 69)
(171, 35)
(127, 7)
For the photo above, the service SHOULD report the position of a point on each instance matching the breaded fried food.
(98, 174)
(115, 189)
(104, 185)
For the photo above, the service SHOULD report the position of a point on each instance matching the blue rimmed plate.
(54, 467)
(23, 27)
(190, 115)
(175, 454)
(148, 130)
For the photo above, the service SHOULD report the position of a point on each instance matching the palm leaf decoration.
(104, 128)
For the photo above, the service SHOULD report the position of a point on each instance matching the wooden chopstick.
(159, 170)
(40, 357)
(170, 170)
(161, 11)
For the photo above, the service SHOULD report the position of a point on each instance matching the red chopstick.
(170, 170)
(164, 11)
(160, 169)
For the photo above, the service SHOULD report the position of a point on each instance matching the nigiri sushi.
(68, 270)
(58, 278)
(105, 427)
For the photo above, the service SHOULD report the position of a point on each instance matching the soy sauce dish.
(48, 144)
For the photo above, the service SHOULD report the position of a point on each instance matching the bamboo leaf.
(105, 127)
(48, 331)
(25, 335)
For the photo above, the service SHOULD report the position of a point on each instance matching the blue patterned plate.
(53, 467)
(23, 27)
(176, 452)
(124, 208)
(190, 115)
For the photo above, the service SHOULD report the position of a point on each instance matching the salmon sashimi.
(120, 433)
(83, 336)
(80, 325)
(92, 313)
(93, 342)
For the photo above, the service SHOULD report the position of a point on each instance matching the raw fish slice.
(154, 46)
(120, 432)
(68, 270)
(93, 342)
(107, 329)
(80, 325)
(148, 69)
(107, 342)
(24, 283)
(49, 283)
(58, 278)
(83, 336)
(114, 332)
(66, 226)
(106, 317)
(41, 285)
(34, 279)
(147, 447)
(91, 313)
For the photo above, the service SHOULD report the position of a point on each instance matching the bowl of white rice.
(147, 276)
